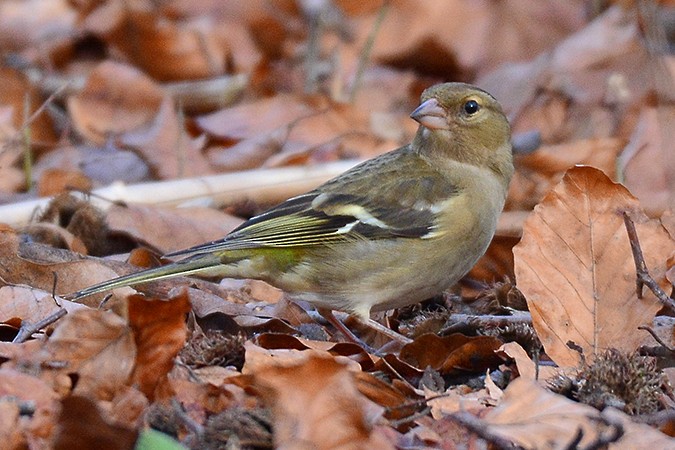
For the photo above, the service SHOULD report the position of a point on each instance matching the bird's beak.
(431, 115)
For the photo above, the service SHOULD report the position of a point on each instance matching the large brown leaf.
(315, 400)
(575, 267)
(96, 346)
(535, 418)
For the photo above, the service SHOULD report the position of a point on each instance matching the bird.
(390, 232)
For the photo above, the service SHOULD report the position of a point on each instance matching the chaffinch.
(390, 232)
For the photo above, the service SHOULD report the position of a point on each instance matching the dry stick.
(264, 186)
(480, 429)
(27, 329)
(643, 277)
(367, 49)
(656, 338)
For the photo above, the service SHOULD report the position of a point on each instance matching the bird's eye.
(471, 107)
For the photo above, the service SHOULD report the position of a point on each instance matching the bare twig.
(367, 49)
(27, 328)
(643, 277)
(658, 418)
(656, 338)
(265, 186)
(411, 418)
(481, 429)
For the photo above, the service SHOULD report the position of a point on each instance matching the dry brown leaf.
(159, 332)
(575, 267)
(29, 304)
(535, 418)
(56, 181)
(454, 37)
(249, 120)
(11, 435)
(580, 89)
(39, 265)
(22, 387)
(526, 367)
(315, 401)
(650, 151)
(116, 99)
(17, 94)
(170, 49)
(43, 22)
(54, 235)
(539, 171)
(166, 145)
(101, 165)
(98, 347)
(82, 426)
(170, 229)
(452, 354)
(455, 399)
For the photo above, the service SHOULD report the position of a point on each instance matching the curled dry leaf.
(166, 145)
(29, 305)
(41, 266)
(170, 229)
(444, 38)
(575, 267)
(650, 150)
(452, 354)
(116, 99)
(98, 347)
(159, 332)
(315, 400)
(526, 367)
(529, 415)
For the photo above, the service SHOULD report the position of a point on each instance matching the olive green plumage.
(392, 231)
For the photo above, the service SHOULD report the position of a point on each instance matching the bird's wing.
(401, 206)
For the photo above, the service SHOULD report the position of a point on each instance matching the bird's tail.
(196, 264)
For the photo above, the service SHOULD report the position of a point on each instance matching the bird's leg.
(391, 334)
(370, 323)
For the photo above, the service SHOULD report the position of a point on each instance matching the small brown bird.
(390, 232)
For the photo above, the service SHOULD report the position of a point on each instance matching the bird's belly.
(384, 276)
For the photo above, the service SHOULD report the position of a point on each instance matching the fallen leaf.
(526, 367)
(453, 354)
(81, 427)
(159, 332)
(170, 229)
(116, 99)
(30, 305)
(315, 400)
(96, 346)
(535, 418)
(22, 387)
(650, 150)
(167, 146)
(575, 267)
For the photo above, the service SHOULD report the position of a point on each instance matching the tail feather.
(187, 266)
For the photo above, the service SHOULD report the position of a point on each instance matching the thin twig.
(27, 329)
(416, 415)
(643, 277)
(367, 50)
(656, 338)
(481, 429)
(56, 280)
